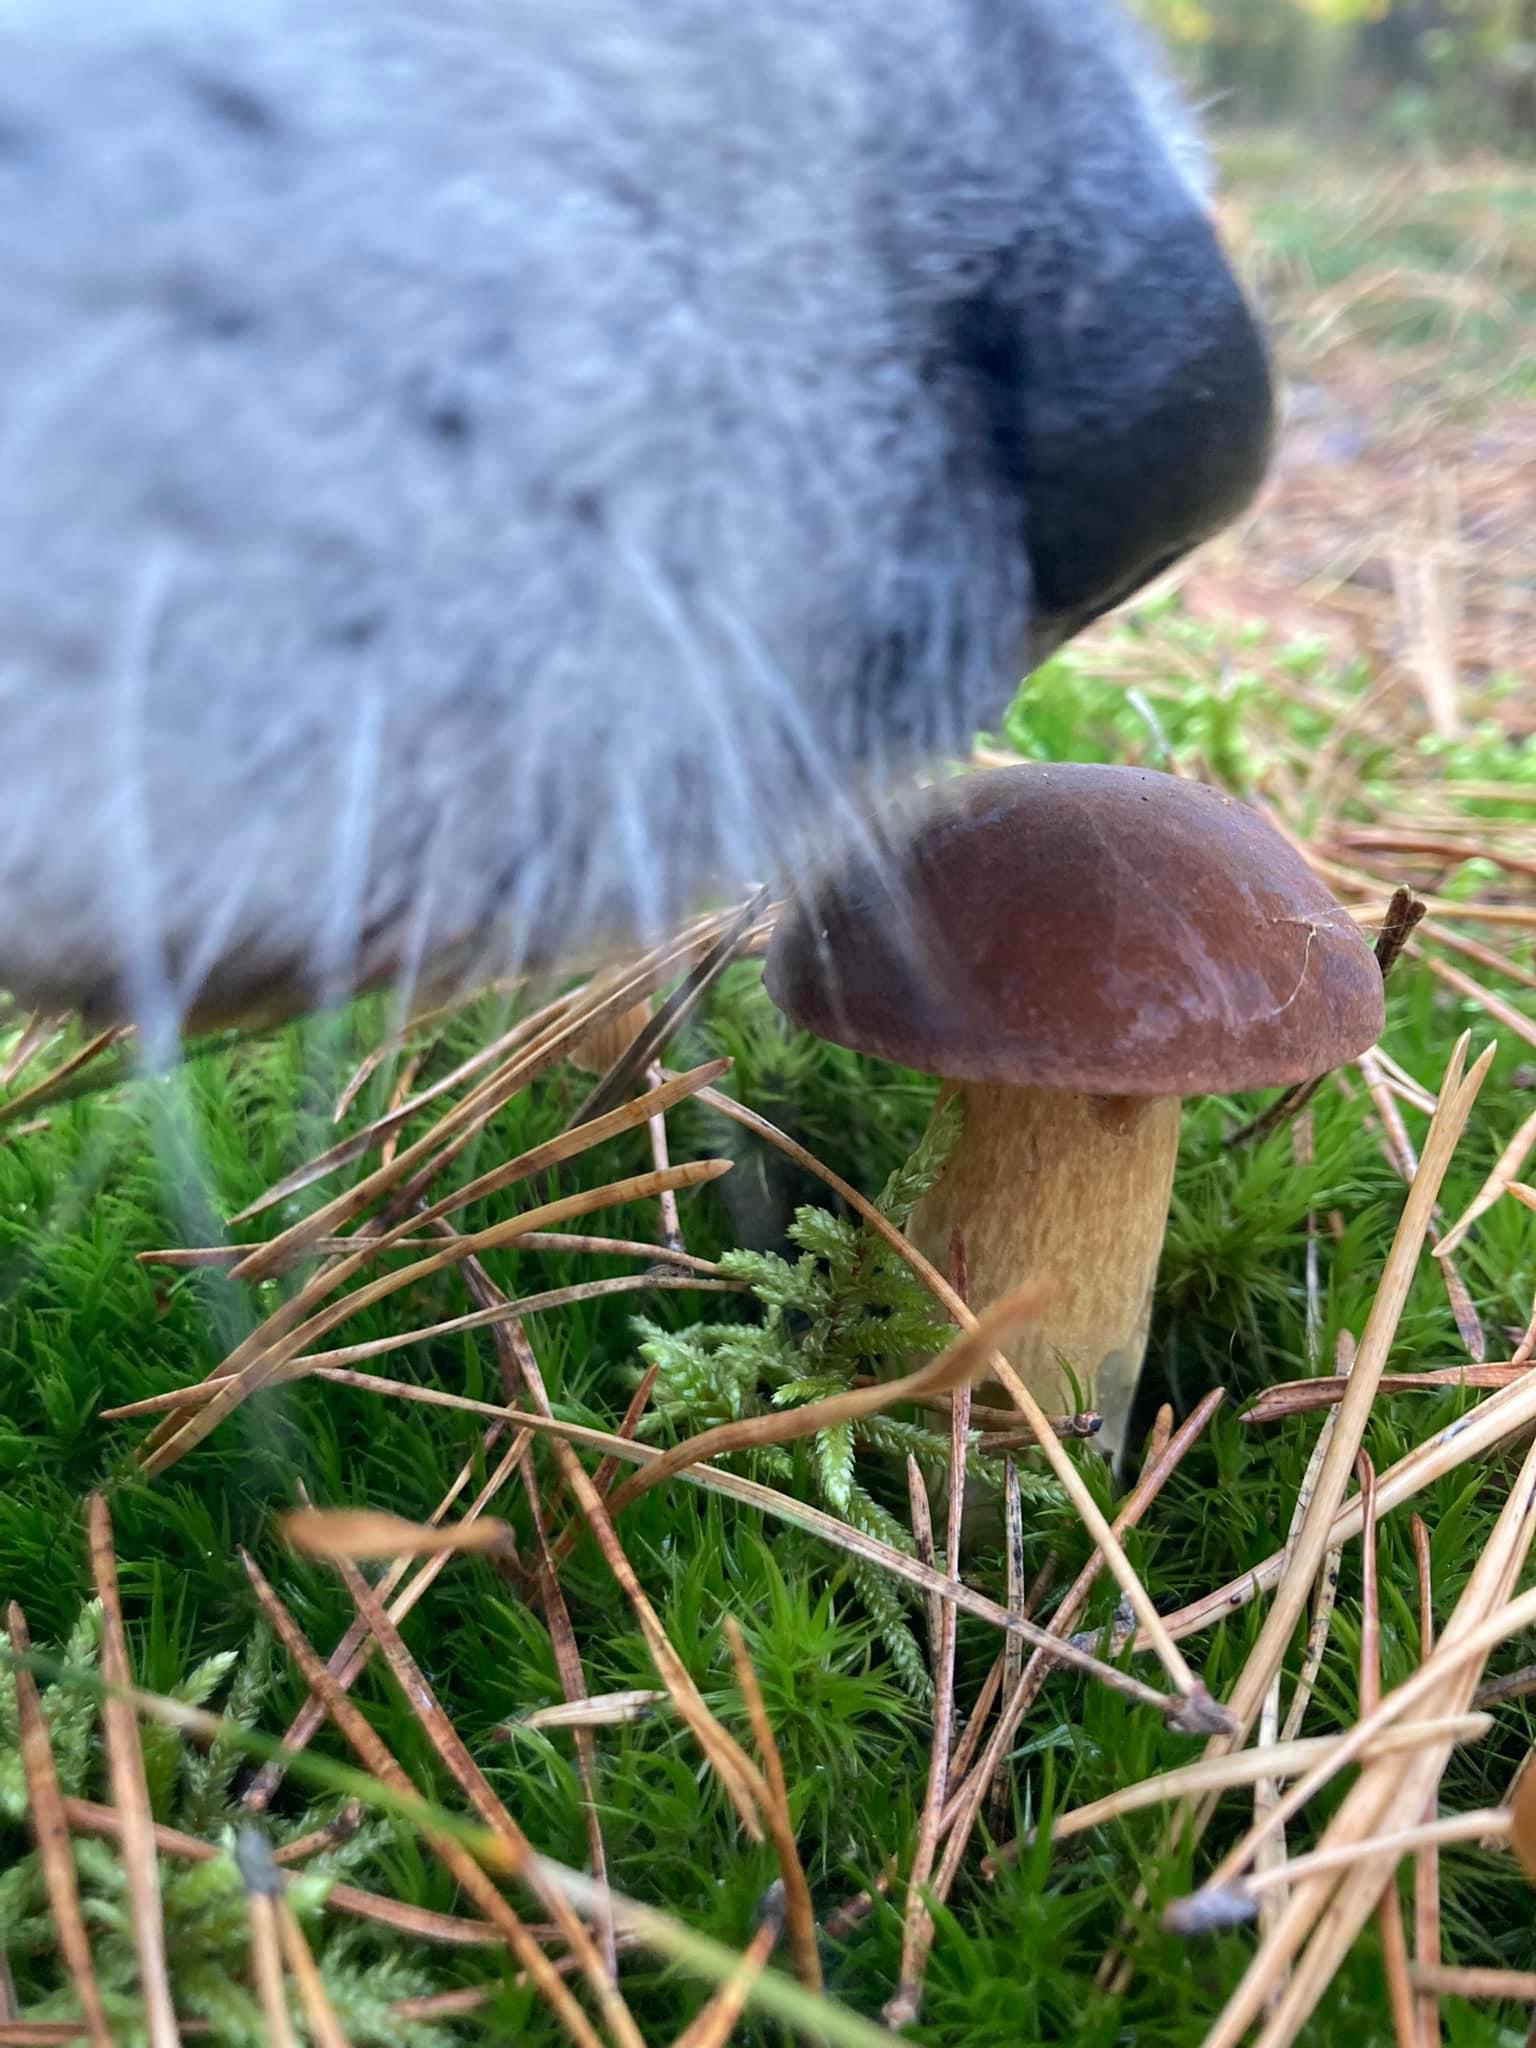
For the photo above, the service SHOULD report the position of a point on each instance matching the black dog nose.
(1148, 425)
(1138, 417)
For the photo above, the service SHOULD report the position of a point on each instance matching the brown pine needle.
(1500, 963)
(472, 1782)
(1289, 1398)
(1353, 881)
(1426, 1865)
(785, 1507)
(1286, 1759)
(194, 1395)
(1400, 1151)
(1349, 1746)
(663, 1935)
(50, 1829)
(1454, 1650)
(130, 1791)
(730, 1762)
(222, 1256)
(496, 1054)
(920, 1513)
(798, 1913)
(601, 1710)
(569, 1143)
(419, 1923)
(461, 1865)
(59, 2033)
(729, 940)
(1487, 1824)
(714, 2025)
(1013, 1649)
(1502, 1012)
(1518, 1987)
(1389, 1918)
(1506, 1169)
(361, 1534)
(263, 1887)
(573, 1683)
(1403, 1083)
(1325, 1597)
(1314, 1539)
(38, 1032)
(281, 1336)
(1489, 1424)
(352, 1653)
(55, 1084)
(530, 1048)
(608, 1470)
(975, 1726)
(442, 2005)
(331, 1834)
(319, 2013)
(1522, 1819)
(992, 1685)
(1524, 1352)
(405, 1081)
(490, 1318)
(1519, 915)
(1492, 1422)
(1326, 1916)
(1452, 849)
(1267, 1790)
(258, 1360)
(917, 1926)
(1159, 1468)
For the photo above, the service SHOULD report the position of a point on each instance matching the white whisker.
(142, 922)
(335, 960)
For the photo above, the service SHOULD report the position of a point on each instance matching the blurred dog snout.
(476, 480)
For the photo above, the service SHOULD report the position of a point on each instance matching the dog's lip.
(1047, 638)
(1051, 631)
(1049, 635)
(244, 996)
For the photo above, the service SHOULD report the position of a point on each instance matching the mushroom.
(1075, 949)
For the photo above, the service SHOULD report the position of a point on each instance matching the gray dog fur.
(475, 474)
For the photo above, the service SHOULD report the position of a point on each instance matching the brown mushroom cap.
(1104, 929)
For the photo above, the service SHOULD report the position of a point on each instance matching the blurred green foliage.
(1447, 73)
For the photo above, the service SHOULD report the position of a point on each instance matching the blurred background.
(1453, 74)
(1377, 172)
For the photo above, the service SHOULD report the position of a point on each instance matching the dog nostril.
(1140, 438)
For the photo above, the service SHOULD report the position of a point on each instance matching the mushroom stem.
(1048, 1180)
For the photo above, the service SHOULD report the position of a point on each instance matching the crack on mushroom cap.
(1313, 927)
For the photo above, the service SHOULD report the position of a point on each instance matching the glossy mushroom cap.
(1110, 930)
